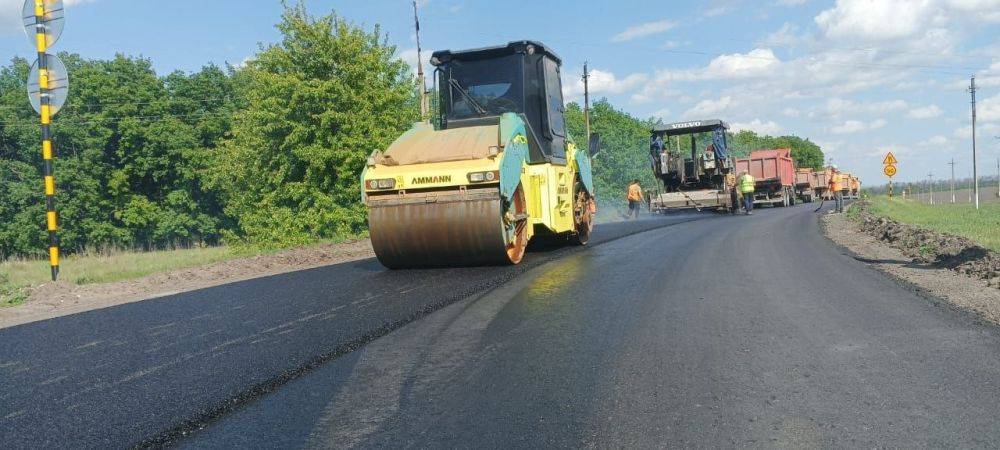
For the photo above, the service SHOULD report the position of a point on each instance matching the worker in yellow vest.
(835, 187)
(634, 199)
(747, 184)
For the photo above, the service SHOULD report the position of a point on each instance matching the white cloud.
(644, 29)
(602, 82)
(662, 114)
(887, 20)
(926, 112)
(984, 130)
(721, 8)
(410, 57)
(756, 63)
(758, 126)
(937, 141)
(857, 126)
(987, 78)
(984, 10)
(785, 36)
(989, 109)
(836, 107)
(711, 108)
(876, 20)
(753, 64)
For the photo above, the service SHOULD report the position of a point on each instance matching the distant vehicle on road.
(774, 171)
(805, 184)
(703, 178)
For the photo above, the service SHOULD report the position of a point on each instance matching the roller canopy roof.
(690, 127)
(443, 56)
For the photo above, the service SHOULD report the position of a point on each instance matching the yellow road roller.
(495, 170)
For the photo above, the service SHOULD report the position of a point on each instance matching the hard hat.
(834, 167)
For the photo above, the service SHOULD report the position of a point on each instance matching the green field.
(17, 275)
(982, 227)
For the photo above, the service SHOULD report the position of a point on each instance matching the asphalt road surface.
(719, 332)
(147, 373)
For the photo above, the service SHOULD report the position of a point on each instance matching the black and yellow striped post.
(51, 218)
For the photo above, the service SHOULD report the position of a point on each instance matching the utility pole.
(586, 99)
(424, 103)
(952, 164)
(998, 170)
(930, 186)
(975, 173)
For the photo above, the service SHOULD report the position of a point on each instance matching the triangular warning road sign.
(889, 159)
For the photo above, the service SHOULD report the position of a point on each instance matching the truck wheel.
(791, 198)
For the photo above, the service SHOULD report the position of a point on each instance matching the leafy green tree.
(132, 155)
(624, 152)
(318, 103)
(804, 152)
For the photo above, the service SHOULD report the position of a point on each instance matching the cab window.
(554, 100)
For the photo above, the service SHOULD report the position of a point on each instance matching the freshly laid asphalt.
(719, 332)
(730, 332)
(148, 373)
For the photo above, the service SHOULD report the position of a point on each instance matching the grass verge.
(18, 276)
(957, 219)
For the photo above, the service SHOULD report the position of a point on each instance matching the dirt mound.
(939, 249)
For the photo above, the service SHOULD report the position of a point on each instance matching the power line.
(943, 69)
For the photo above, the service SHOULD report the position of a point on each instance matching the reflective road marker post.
(47, 90)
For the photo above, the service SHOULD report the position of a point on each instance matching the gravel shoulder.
(969, 293)
(63, 298)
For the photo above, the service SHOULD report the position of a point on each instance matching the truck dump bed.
(821, 180)
(773, 167)
(804, 179)
(774, 172)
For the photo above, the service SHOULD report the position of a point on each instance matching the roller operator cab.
(497, 170)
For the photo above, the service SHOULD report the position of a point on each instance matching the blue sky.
(859, 77)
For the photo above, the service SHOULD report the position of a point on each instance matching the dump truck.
(821, 183)
(497, 169)
(774, 171)
(805, 184)
(850, 185)
(699, 178)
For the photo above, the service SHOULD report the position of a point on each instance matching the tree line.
(266, 154)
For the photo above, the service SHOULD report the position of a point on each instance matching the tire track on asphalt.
(206, 417)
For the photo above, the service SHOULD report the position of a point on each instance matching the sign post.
(889, 169)
(48, 86)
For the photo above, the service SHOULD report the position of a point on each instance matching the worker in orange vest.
(835, 186)
(634, 199)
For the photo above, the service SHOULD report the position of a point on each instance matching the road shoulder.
(63, 298)
(964, 292)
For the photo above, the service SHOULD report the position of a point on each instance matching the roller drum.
(464, 228)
